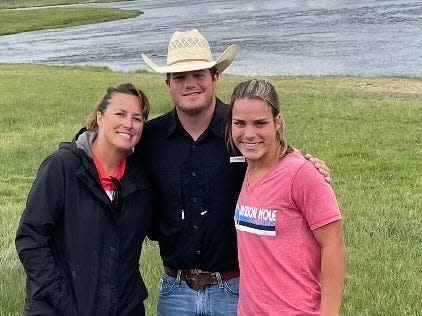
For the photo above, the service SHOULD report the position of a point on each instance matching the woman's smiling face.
(120, 126)
(254, 129)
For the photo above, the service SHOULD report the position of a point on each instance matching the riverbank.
(17, 21)
(368, 130)
(370, 38)
(13, 4)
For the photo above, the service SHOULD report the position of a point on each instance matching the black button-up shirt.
(196, 189)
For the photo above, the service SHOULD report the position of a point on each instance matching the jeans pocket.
(232, 286)
(167, 283)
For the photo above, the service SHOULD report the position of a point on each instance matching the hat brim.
(222, 62)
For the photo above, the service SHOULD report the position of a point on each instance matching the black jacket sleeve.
(35, 234)
(140, 151)
(153, 231)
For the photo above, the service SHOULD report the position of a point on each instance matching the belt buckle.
(193, 279)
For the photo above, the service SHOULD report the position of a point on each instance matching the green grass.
(12, 22)
(10, 4)
(368, 130)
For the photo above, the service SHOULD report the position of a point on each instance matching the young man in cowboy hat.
(196, 179)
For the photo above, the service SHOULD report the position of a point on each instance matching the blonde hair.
(263, 90)
(102, 105)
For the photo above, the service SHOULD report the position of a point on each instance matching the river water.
(275, 37)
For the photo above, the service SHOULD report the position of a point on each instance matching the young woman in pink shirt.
(289, 235)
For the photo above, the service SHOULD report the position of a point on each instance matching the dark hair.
(213, 71)
(102, 105)
(263, 90)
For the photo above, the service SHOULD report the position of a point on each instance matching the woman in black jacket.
(87, 214)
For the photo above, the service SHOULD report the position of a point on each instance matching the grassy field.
(368, 130)
(11, 4)
(12, 22)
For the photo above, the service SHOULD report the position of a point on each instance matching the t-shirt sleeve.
(314, 197)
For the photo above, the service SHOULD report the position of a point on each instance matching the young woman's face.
(254, 129)
(120, 126)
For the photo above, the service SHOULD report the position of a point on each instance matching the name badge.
(237, 159)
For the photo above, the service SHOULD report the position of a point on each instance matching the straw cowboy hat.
(188, 51)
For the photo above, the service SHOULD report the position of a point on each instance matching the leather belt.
(196, 279)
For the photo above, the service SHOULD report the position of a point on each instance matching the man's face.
(192, 91)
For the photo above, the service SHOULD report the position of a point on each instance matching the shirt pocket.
(224, 183)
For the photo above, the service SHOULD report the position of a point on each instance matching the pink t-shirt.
(279, 258)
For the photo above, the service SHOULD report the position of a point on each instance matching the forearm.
(332, 278)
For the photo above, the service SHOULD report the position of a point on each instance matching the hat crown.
(190, 51)
(188, 46)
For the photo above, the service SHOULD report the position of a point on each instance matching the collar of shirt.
(105, 179)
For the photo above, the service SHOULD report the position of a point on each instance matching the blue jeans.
(177, 298)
